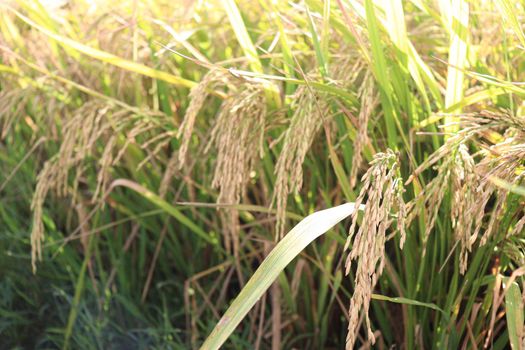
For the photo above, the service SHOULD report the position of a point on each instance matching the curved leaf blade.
(284, 252)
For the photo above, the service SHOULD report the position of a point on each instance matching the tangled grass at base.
(153, 153)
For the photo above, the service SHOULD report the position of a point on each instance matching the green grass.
(136, 268)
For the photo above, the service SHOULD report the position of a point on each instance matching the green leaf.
(401, 300)
(321, 58)
(457, 15)
(284, 252)
(162, 204)
(514, 312)
(380, 70)
(508, 11)
(507, 186)
(234, 15)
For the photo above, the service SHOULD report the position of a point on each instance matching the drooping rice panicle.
(382, 189)
(309, 115)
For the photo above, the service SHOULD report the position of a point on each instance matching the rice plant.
(262, 174)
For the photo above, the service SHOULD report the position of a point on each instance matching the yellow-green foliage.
(154, 154)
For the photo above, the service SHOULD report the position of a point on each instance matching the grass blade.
(234, 15)
(325, 34)
(168, 208)
(284, 252)
(458, 19)
(319, 53)
(288, 60)
(514, 312)
(406, 301)
(379, 67)
(520, 190)
(508, 11)
(396, 28)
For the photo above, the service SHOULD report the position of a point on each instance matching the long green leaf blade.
(284, 252)
(458, 19)
(514, 312)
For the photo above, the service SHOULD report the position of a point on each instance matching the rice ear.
(237, 136)
(197, 97)
(369, 101)
(92, 124)
(468, 180)
(309, 115)
(382, 189)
